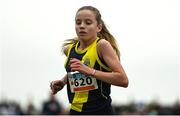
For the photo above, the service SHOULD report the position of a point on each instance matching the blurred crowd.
(52, 106)
(153, 108)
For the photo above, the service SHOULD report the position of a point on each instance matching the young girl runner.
(92, 65)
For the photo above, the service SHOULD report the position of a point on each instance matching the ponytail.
(105, 34)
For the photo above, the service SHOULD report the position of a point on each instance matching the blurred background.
(31, 35)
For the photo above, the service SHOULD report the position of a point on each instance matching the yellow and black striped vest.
(92, 100)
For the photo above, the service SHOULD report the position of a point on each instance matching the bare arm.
(65, 49)
(117, 76)
(57, 85)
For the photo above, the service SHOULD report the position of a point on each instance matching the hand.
(77, 65)
(56, 86)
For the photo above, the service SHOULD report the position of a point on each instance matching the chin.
(83, 37)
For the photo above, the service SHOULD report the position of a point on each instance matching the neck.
(85, 43)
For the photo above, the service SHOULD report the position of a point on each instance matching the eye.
(78, 22)
(88, 22)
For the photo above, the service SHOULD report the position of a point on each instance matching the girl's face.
(86, 25)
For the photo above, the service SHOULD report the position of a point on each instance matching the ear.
(99, 28)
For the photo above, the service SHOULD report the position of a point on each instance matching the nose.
(82, 25)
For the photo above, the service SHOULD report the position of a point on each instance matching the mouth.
(82, 33)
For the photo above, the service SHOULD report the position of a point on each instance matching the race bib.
(79, 82)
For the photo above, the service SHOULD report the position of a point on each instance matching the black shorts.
(105, 111)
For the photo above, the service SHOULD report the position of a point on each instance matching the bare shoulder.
(102, 43)
(65, 49)
(103, 46)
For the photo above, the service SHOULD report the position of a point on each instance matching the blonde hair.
(103, 34)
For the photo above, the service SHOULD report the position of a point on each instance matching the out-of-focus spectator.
(10, 108)
(152, 108)
(31, 110)
(52, 106)
(3, 108)
(176, 108)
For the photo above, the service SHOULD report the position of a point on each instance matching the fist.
(56, 86)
